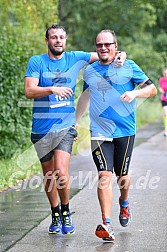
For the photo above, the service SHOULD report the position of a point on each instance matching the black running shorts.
(113, 155)
(164, 103)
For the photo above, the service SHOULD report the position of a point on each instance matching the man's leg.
(122, 157)
(102, 153)
(105, 194)
(42, 144)
(125, 215)
(62, 153)
(124, 184)
(61, 166)
(52, 194)
(50, 182)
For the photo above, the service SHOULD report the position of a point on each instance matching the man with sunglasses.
(112, 96)
(50, 80)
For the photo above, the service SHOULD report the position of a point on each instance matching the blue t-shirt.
(53, 113)
(109, 116)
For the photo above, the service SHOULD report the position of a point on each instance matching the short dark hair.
(110, 31)
(54, 26)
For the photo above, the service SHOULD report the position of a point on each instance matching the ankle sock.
(124, 203)
(55, 209)
(64, 208)
(107, 220)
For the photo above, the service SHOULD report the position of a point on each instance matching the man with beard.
(112, 124)
(50, 80)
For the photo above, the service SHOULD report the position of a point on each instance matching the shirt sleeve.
(33, 68)
(83, 55)
(138, 74)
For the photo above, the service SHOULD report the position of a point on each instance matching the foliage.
(20, 37)
(150, 60)
(160, 45)
(84, 19)
(140, 27)
(28, 19)
(14, 120)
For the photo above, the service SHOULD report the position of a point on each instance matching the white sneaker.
(105, 232)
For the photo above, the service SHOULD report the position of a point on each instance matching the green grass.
(19, 167)
(148, 111)
(12, 173)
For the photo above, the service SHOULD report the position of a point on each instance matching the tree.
(140, 26)
(23, 25)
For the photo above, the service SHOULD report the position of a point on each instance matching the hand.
(62, 91)
(120, 58)
(128, 96)
(76, 138)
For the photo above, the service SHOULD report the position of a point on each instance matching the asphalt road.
(24, 227)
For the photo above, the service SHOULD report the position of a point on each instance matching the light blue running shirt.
(109, 116)
(53, 113)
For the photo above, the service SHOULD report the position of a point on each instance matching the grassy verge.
(148, 111)
(13, 171)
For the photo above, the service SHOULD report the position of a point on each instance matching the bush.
(151, 61)
(14, 119)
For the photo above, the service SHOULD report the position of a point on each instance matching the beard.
(104, 60)
(55, 52)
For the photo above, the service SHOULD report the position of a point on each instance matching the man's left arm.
(147, 89)
(82, 104)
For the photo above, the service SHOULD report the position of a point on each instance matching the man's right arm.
(32, 90)
(82, 105)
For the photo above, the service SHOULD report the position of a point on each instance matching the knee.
(49, 176)
(104, 179)
(123, 181)
(61, 173)
(62, 178)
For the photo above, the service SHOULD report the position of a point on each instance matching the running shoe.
(105, 232)
(56, 225)
(67, 224)
(125, 215)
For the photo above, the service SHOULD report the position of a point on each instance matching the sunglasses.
(107, 45)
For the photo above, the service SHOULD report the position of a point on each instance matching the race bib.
(57, 101)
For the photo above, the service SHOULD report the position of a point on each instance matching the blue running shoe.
(56, 225)
(67, 225)
(125, 215)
